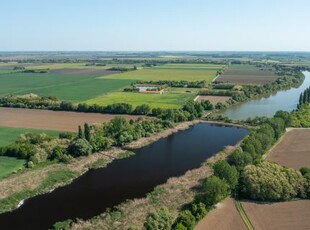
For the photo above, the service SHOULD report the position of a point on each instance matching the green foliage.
(79, 147)
(159, 220)
(199, 210)
(240, 159)
(271, 182)
(185, 219)
(216, 190)
(226, 172)
(301, 117)
(63, 225)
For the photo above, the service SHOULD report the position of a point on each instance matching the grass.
(9, 165)
(175, 72)
(74, 88)
(169, 100)
(8, 135)
(244, 215)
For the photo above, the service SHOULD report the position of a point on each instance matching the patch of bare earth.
(224, 217)
(51, 120)
(281, 215)
(293, 150)
(213, 99)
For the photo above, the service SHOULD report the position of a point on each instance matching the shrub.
(79, 147)
(186, 220)
(199, 210)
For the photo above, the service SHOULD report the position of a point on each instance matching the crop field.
(213, 99)
(280, 215)
(51, 120)
(175, 72)
(293, 150)
(225, 216)
(9, 165)
(8, 134)
(168, 100)
(68, 87)
(246, 74)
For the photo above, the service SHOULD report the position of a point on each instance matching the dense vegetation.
(301, 117)
(178, 84)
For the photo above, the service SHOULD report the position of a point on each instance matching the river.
(286, 100)
(99, 189)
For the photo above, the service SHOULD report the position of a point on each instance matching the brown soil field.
(213, 99)
(246, 74)
(99, 72)
(281, 215)
(293, 150)
(224, 217)
(51, 120)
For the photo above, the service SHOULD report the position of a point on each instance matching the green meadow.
(168, 100)
(8, 135)
(9, 165)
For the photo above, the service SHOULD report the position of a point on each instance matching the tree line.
(304, 97)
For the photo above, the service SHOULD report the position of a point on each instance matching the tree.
(142, 109)
(159, 220)
(185, 219)
(79, 147)
(269, 181)
(87, 132)
(226, 172)
(80, 132)
(215, 190)
(240, 159)
(199, 210)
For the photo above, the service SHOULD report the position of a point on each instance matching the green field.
(9, 165)
(169, 100)
(8, 135)
(68, 87)
(173, 72)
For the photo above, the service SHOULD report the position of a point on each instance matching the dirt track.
(224, 217)
(294, 149)
(283, 215)
(51, 120)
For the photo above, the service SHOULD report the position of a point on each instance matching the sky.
(154, 25)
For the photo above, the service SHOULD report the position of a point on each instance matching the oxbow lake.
(99, 189)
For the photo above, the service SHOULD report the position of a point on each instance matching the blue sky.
(138, 25)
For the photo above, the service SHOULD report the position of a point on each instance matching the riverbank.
(174, 194)
(149, 140)
(45, 178)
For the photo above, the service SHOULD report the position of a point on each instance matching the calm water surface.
(98, 189)
(283, 100)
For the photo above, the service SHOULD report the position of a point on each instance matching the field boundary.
(244, 215)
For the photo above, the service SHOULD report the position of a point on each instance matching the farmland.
(9, 165)
(213, 99)
(246, 74)
(215, 220)
(68, 87)
(281, 215)
(293, 150)
(50, 120)
(169, 100)
(8, 134)
(175, 72)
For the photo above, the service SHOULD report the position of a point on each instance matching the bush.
(79, 147)
(271, 182)
(159, 220)
(216, 190)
